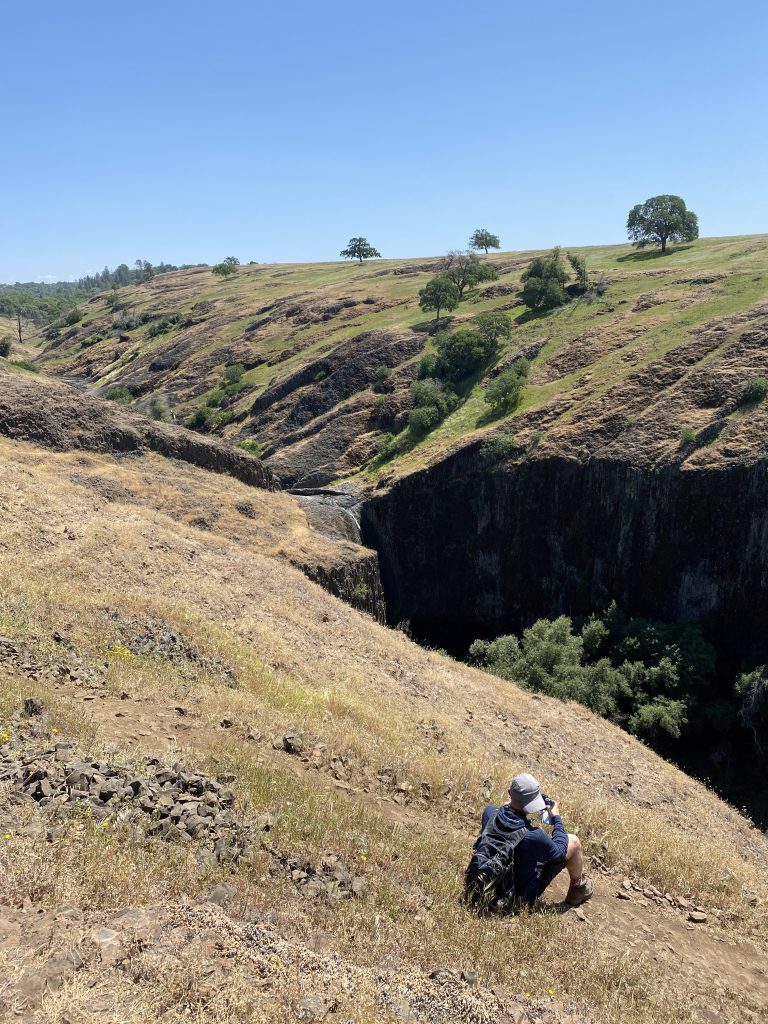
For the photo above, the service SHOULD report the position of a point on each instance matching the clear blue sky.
(188, 131)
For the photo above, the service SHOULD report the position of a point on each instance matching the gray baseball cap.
(526, 791)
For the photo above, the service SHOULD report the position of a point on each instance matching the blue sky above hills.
(187, 132)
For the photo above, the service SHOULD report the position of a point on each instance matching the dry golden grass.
(305, 662)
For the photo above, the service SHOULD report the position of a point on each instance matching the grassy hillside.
(148, 627)
(311, 337)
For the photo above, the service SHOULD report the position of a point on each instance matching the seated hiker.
(514, 860)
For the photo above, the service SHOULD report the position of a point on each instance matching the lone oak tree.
(662, 219)
(227, 267)
(360, 249)
(437, 294)
(483, 239)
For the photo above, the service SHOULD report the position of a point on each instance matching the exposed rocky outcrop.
(323, 420)
(357, 582)
(62, 417)
(171, 804)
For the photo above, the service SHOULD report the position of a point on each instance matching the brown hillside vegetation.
(665, 344)
(154, 619)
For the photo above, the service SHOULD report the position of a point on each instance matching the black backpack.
(490, 875)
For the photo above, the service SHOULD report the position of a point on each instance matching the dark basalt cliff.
(466, 551)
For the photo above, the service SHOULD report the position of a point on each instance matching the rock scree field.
(228, 791)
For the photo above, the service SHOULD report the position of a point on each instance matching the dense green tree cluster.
(653, 678)
(544, 280)
(659, 680)
(463, 271)
(444, 373)
(45, 302)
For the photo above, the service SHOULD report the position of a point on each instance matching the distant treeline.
(44, 302)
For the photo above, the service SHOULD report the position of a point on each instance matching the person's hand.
(555, 809)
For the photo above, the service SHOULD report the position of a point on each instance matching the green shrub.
(423, 419)
(687, 436)
(494, 326)
(163, 325)
(253, 447)
(579, 265)
(224, 418)
(503, 393)
(360, 593)
(24, 364)
(542, 295)
(433, 401)
(387, 448)
(498, 448)
(74, 316)
(198, 420)
(215, 398)
(755, 391)
(120, 394)
(235, 388)
(429, 366)
(543, 282)
(381, 378)
(546, 268)
(5, 347)
(233, 373)
(462, 352)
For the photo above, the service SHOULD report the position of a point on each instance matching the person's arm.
(557, 846)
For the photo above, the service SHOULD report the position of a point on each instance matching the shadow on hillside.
(433, 326)
(491, 415)
(538, 314)
(645, 254)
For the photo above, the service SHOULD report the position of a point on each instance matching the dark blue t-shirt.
(534, 851)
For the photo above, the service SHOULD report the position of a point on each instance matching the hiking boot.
(578, 894)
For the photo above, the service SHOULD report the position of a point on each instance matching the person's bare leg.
(580, 888)
(574, 859)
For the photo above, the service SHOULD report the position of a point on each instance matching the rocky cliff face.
(62, 417)
(468, 551)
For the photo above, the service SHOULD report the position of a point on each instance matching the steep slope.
(311, 338)
(151, 618)
(62, 418)
(633, 470)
